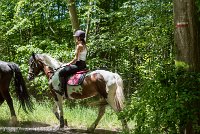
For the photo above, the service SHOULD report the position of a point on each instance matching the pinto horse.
(107, 85)
(7, 72)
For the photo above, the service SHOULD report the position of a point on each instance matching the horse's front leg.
(55, 108)
(56, 112)
(58, 108)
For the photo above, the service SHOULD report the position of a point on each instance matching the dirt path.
(49, 130)
(40, 128)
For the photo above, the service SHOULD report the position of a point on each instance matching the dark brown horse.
(107, 85)
(7, 72)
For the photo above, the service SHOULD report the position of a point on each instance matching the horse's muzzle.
(30, 77)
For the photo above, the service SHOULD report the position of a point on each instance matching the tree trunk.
(73, 15)
(187, 43)
(187, 33)
(88, 21)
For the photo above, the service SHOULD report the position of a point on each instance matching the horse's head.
(35, 66)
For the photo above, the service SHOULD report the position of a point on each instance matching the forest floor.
(41, 128)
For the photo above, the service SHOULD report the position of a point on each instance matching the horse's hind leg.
(1, 99)
(124, 125)
(100, 115)
(7, 97)
(55, 111)
(4, 85)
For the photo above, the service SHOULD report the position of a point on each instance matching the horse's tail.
(20, 88)
(114, 89)
(119, 95)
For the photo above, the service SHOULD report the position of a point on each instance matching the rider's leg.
(62, 79)
(65, 72)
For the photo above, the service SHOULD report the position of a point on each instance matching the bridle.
(34, 64)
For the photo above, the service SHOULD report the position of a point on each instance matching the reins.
(42, 63)
(51, 71)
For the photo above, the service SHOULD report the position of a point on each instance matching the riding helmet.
(79, 33)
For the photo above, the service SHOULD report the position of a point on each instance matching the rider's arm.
(79, 48)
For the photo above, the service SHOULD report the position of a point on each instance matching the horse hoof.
(66, 124)
(62, 126)
(62, 122)
(90, 130)
(13, 122)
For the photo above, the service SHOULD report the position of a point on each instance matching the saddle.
(77, 78)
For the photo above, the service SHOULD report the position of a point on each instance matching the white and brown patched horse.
(107, 85)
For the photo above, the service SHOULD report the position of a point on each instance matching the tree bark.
(187, 42)
(73, 15)
(187, 33)
(88, 22)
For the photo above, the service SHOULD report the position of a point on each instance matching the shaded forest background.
(132, 38)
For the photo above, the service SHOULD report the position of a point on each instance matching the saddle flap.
(77, 78)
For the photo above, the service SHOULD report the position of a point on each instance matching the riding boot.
(63, 86)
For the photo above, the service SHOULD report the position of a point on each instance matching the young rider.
(76, 64)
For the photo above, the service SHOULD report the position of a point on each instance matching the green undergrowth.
(79, 116)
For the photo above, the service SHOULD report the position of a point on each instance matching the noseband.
(34, 64)
(32, 74)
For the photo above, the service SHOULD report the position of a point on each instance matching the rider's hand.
(67, 64)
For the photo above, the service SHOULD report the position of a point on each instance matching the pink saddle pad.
(77, 78)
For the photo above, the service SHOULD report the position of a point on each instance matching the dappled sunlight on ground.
(24, 127)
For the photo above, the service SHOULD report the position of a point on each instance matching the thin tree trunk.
(88, 24)
(73, 15)
(88, 20)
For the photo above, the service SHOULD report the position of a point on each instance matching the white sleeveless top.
(82, 55)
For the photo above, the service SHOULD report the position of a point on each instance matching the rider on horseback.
(78, 63)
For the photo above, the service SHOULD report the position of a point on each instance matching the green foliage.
(137, 36)
(180, 64)
(78, 117)
(165, 102)
(133, 38)
(34, 26)
(197, 3)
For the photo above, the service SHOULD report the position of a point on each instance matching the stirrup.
(65, 96)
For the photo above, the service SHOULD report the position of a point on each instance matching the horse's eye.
(32, 65)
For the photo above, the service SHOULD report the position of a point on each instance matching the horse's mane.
(51, 62)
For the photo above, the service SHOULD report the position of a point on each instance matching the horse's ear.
(33, 55)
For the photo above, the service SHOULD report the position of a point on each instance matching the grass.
(77, 117)
(84, 117)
